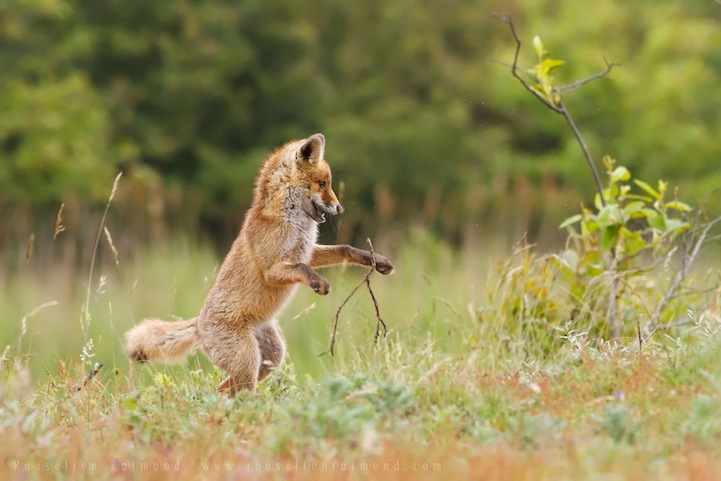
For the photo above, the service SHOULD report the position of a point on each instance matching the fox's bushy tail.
(162, 341)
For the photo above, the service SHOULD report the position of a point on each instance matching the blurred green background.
(186, 98)
(423, 128)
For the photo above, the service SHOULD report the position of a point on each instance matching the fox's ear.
(312, 148)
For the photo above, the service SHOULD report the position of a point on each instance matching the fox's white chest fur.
(304, 230)
(299, 245)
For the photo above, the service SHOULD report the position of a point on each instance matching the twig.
(331, 344)
(503, 64)
(584, 147)
(366, 281)
(579, 83)
(380, 322)
(94, 372)
(514, 68)
(689, 257)
(558, 106)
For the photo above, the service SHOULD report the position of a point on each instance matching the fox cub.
(275, 250)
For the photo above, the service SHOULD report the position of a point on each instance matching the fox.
(275, 251)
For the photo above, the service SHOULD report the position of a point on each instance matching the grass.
(462, 387)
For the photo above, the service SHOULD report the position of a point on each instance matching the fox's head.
(313, 179)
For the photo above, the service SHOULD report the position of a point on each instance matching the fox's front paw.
(319, 285)
(383, 265)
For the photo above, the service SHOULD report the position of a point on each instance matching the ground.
(454, 391)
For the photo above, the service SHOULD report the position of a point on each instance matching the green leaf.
(609, 237)
(571, 258)
(679, 206)
(608, 162)
(633, 242)
(130, 404)
(597, 201)
(643, 198)
(550, 65)
(538, 46)
(571, 220)
(612, 192)
(655, 220)
(675, 225)
(647, 188)
(633, 207)
(609, 215)
(620, 173)
(623, 191)
(588, 227)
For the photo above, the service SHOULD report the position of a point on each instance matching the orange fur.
(275, 250)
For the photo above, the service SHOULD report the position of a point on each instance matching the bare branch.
(380, 322)
(579, 83)
(688, 259)
(367, 282)
(502, 64)
(331, 344)
(586, 152)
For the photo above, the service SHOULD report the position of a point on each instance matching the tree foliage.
(187, 97)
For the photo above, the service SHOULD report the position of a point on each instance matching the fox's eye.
(321, 184)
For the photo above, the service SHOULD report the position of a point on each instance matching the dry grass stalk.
(59, 227)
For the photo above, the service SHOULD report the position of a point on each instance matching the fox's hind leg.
(272, 347)
(238, 353)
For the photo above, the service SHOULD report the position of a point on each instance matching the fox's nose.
(339, 209)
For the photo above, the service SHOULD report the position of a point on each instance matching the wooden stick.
(367, 282)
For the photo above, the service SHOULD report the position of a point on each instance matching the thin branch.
(380, 322)
(331, 344)
(579, 83)
(586, 153)
(366, 281)
(502, 64)
(687, 261)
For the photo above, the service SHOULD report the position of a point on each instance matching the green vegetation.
(613, 255)
(465, 384)
(497, 363)
(186, 98)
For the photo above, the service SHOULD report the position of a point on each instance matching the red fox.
(275, 250)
